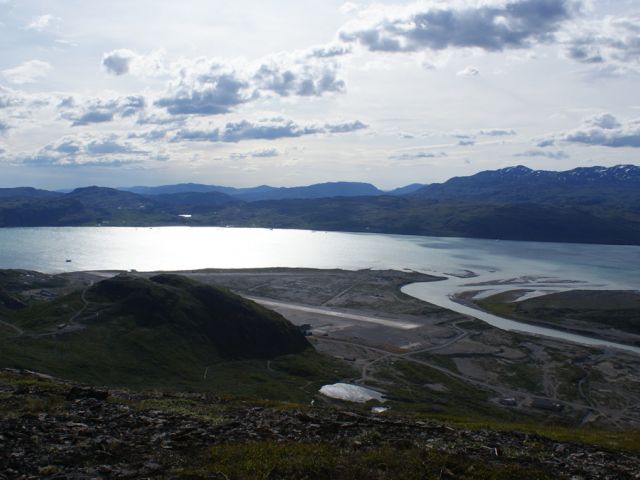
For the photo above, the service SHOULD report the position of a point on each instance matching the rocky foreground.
(52, 429)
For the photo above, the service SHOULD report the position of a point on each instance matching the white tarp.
(351, 393)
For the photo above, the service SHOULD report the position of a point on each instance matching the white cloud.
(468, 72)
(30, 71)
(41, 23)
(348, 8)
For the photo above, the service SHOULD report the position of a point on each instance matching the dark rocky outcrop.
(90, 437)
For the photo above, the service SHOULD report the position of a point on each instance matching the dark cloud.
(245, 130)
(265, 153)
(4, 127)
(210, 95)
(109, 146)
(270, 130)
(614, 40)
(584, 53)
(93, 116)
(117, 62)
(159, 120)
(131, 105)
(601, 130)
(548, 142)
(101, 111)
(466, 143)
(330, 51)
(606, 137)
(345, 127)
(301, 80)
(150, 135)
(559, 155)
(67, 102)
(514, 24)
(67, 147)
(497, 133)
(206, 87)
(603, 120)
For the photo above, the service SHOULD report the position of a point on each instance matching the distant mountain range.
(265, 192)
(591, 205)
(581, 186)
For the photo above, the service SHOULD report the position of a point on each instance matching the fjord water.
(494, 264)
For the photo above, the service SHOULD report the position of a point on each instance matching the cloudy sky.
(287, 92)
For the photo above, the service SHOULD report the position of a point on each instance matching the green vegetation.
(321, 461)
(40, 317)
(407, 385)
(237, 359)
(444, 361)
(352, 445)
(167, 332)
(574, 309)
(520, 375)
(619, 439)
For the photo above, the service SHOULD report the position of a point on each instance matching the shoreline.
(323, 230)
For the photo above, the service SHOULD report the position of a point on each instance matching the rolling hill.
(128, 330)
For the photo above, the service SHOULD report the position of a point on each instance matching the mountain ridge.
(583, 205)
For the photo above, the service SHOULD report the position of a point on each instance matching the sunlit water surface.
(538, 266)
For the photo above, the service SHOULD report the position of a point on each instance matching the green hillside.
(167, 331)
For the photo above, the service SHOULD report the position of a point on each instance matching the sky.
(285, 93)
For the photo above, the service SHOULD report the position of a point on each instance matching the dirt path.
(71, 326)
(365, 368)
(500, 390)
(17, 329)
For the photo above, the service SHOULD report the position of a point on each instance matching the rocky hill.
(53, 429)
